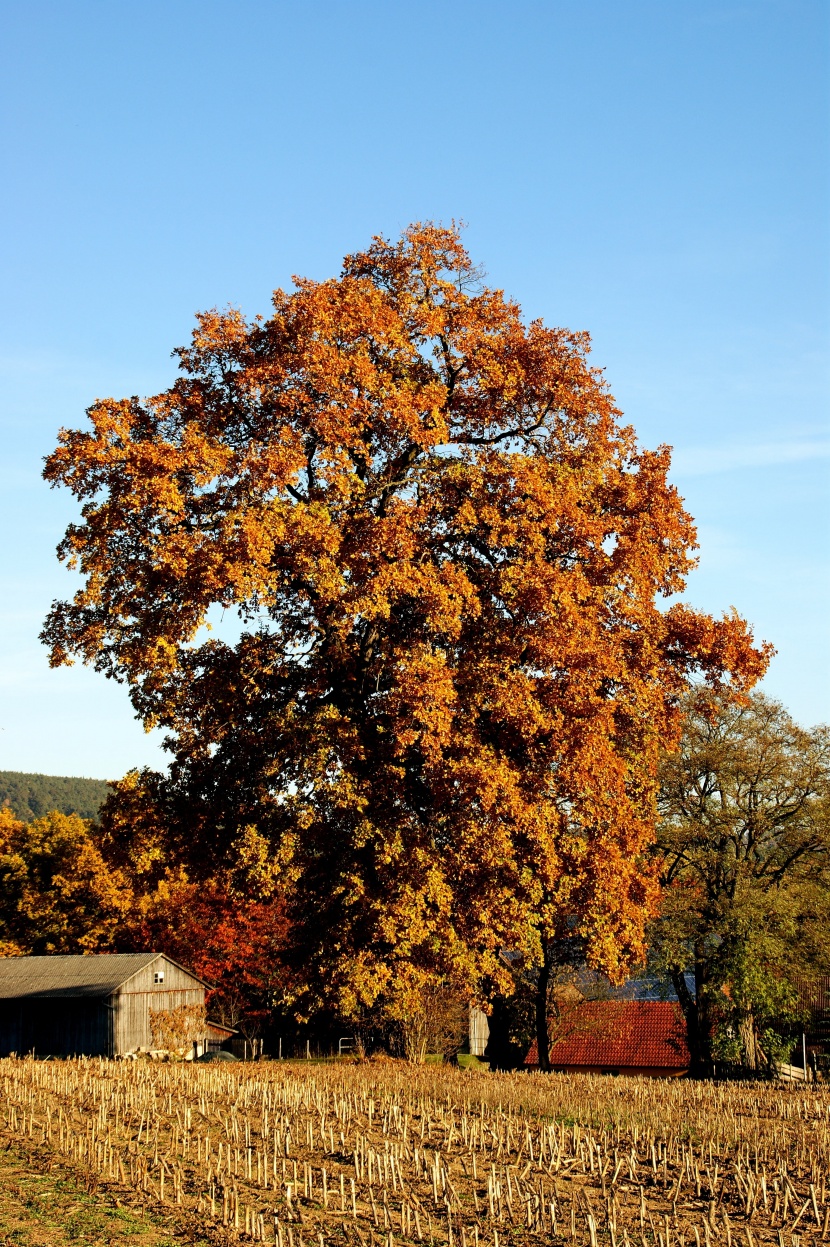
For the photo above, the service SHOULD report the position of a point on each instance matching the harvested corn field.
(305, 1154)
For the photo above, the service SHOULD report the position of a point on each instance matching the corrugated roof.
(63, 974)
(620, 1034)
(651, 987)
(220, 1027)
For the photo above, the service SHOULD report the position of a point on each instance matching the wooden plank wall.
(135, 998)
(58, 1027)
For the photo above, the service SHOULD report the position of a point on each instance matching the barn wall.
(55, 1027)
(175, 979)
(10, 1027)
(135, 998)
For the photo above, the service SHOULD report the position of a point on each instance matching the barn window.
(158, 976)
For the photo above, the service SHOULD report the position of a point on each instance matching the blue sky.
(654, 171)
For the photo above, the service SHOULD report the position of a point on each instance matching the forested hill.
(31, 796)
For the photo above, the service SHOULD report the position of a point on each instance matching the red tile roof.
(619, 1034)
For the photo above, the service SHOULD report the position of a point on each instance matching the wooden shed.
(814, 1002)
(96, 1005)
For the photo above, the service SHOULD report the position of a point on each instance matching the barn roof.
(620, 1034)
(62, 975)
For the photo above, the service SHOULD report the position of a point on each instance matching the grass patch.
(467, 1061)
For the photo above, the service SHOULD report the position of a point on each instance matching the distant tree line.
(32, 796)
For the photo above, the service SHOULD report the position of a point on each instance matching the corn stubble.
(301, 1155)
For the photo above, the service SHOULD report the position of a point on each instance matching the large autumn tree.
(439, 714)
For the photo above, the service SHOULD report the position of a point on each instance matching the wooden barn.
(96, 1005)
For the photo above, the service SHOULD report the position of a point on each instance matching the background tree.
(440, 715)
(58, 894)
(234, 943)
(744, 843)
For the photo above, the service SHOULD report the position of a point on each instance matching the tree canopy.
(440, 716)
(745, 850)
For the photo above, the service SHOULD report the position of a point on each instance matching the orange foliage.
(232, 943)
(441, 716)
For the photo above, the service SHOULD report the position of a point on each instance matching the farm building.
(95, 1005)
(479, 1031)
(814, 1002)
(646, 1037)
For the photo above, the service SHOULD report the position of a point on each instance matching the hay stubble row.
(305, 1154)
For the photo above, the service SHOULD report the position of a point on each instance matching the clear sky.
(653, 171)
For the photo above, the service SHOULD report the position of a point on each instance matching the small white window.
(158, 976)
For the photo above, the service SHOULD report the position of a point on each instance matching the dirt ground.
(42, 1205)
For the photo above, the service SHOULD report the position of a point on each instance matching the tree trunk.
(696, 1015)
(542, 984)
(688, 1004)
(499, 1052)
